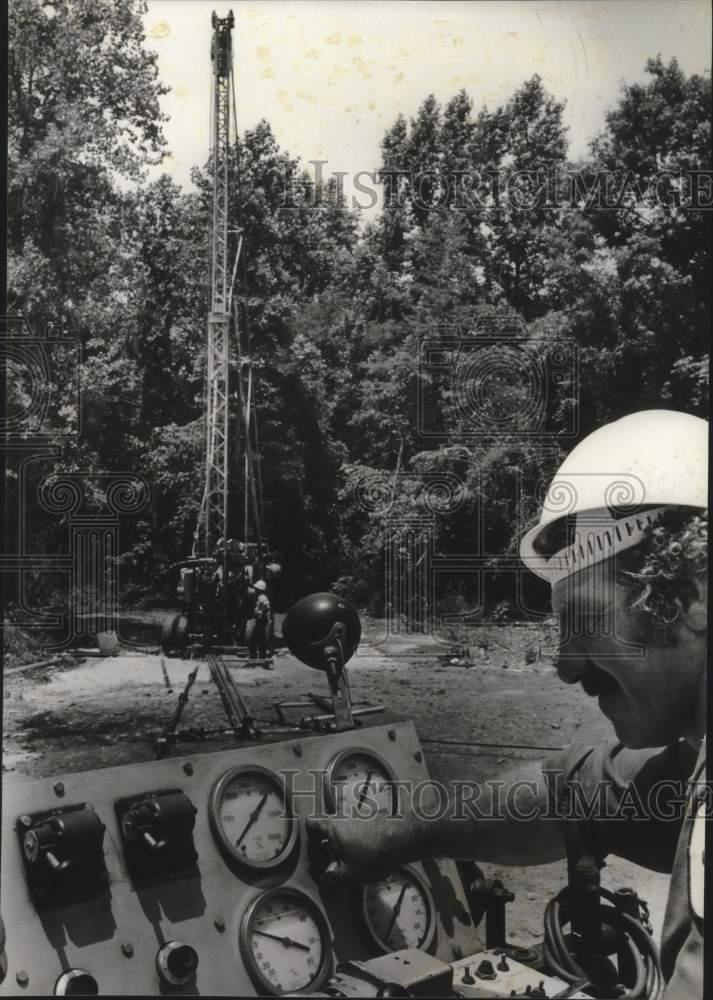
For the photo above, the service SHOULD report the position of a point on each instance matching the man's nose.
(571, 655)
(568, 666)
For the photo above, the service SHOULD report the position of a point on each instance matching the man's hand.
(359, 850)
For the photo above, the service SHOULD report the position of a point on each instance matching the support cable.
(492, 746)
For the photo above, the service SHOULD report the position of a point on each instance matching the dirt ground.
(109, 711)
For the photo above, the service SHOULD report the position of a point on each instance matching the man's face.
(649, 691)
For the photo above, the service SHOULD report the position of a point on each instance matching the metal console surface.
(119, 930)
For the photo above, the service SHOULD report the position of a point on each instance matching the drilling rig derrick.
(215, 578)
(213, 518)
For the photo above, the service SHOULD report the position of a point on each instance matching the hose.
(633, 939)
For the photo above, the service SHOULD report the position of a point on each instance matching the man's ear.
(692, 602)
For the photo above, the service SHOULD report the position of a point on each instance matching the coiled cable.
(633, 942)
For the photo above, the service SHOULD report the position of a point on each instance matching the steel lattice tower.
(213, 518)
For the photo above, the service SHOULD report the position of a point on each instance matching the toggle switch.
(76, 983)
(177, 963)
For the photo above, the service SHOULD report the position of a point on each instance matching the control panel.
(190, 875)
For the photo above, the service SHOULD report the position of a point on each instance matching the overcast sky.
(331, 76)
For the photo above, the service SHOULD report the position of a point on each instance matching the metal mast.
(213, 517)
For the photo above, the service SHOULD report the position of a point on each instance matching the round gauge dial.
(285, 942)
(399, 912)
(251, 817)
(359, 782)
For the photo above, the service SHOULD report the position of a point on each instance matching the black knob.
(485, 970)
(183, 961)
(177, 963)
(76, 983)
(392, 990)
(318, 624)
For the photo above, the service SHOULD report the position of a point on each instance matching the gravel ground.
(109, 711)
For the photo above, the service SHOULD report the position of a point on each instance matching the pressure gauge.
(399, 912)
(360, 783)
(285, 942)
(251, 817)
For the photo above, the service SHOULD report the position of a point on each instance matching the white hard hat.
(613, 486)
(260, 585)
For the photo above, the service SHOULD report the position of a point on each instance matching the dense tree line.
(488, 233)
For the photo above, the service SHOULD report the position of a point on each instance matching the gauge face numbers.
(251, 817)
(284, 940)
(360, 784)
(399, 911)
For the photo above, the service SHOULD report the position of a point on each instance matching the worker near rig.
(622, 540)
(257, 628)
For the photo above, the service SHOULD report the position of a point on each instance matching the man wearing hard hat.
(622, 540)
(258, 623)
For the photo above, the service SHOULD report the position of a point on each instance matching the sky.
(331, 76)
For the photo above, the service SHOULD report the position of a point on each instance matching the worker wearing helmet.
(257, 627)
(622, 540)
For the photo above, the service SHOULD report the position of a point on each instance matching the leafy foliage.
(336, 317)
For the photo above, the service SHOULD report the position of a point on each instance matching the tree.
(665, 121)
(83, 110)
(528, 145)
(619, 288)
(336, 321)
(653, 250)
(165, 246)
(83, 106)
(457, 134)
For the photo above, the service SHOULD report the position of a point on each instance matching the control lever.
(63, 854)
(141, 820)
(49, 838)
(486, 898)
(157, 831)
(323, 631)
(42, 841)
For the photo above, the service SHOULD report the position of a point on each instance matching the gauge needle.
(364, 787)
(287, 941)
(253, 816)
(397, 909)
